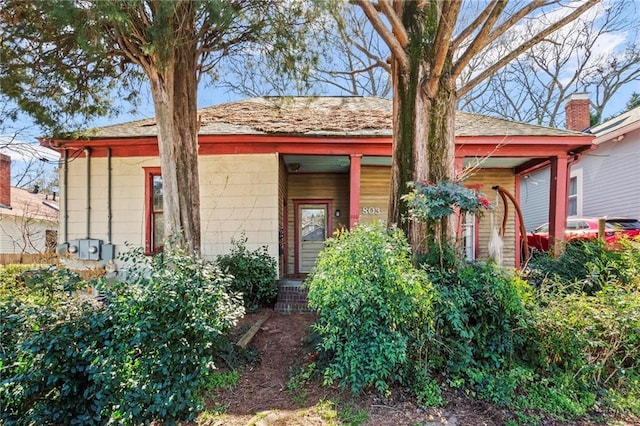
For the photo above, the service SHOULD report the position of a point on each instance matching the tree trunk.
(174, 91)
(423, 139)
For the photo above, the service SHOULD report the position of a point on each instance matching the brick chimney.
(577, 112)
(5, 180)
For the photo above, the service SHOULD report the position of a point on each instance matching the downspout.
(575, 160)
(65, 200)
(87, 152)
(109, 213)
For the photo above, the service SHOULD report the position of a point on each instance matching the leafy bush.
(370, 301)
(479, 312)
(429, 201)
(142, 356)
(588, 263)
(254, 273)
(597, 337)
(11, 282)
(31, 300)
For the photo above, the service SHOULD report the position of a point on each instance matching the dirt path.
(261, 397)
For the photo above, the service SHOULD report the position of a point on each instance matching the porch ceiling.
(495, 162)
(340, 163)
(328, 163)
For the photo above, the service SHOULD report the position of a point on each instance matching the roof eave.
(617, 133)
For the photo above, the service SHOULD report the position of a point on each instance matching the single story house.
(287, 172)
(602, 182)
(28, 220)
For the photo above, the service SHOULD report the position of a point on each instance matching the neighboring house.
(287, 172)
(603, 182)
(28, 219)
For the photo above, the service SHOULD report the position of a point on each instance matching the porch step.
(291, 297)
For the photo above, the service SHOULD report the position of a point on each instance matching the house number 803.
(371, 210)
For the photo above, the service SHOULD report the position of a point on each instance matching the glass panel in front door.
(313, 231)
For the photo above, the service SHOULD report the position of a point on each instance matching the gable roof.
(617, 126)
(320, 116)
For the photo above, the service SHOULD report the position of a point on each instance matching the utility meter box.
(86, 249)
(89, 249)
(108, 252)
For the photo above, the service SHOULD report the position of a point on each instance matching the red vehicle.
(584, 229)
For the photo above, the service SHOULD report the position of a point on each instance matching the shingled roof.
(319, 116)
(29, 206)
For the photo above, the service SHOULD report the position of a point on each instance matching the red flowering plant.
(431, 201)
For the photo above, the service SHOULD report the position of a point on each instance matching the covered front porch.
(320, 194)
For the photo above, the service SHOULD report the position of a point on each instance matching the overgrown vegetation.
(372, 306)
(254, 273)
(143, 354)
(564, 346)
(589, 264)
(561, 347)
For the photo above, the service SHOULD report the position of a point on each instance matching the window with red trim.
(154, 222)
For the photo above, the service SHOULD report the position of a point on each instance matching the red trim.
(514, 150)
(285, 238)
(296, 223)
(466, 146)
(531, 166)
(558, 201)
(149, 173)
(354, 190)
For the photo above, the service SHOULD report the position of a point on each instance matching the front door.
(312, 223)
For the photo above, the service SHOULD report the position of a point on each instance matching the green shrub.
(11, 282)
(479, 313)
(597, 337)
(254, 273)
(561, 395)
(142, 356)
(34, 302)
(371, 302)
(590, 264)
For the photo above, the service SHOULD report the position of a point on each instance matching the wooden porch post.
(558, 202)
(354, 189)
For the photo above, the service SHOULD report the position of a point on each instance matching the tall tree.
(634, 101)
(352, 60)
(62, 60)
(431, 45)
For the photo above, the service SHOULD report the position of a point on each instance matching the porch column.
(558, 202)
(354, 189)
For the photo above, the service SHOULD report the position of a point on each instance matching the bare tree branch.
(464, 34)
(397, 26)
(448, 18)
(389, 38)
(480, 41)
(527, 45)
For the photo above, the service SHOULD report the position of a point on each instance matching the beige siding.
(238, 193)
(374, 193)
(20, 234)
(489, 178)
(308, 186)
(127, 204)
